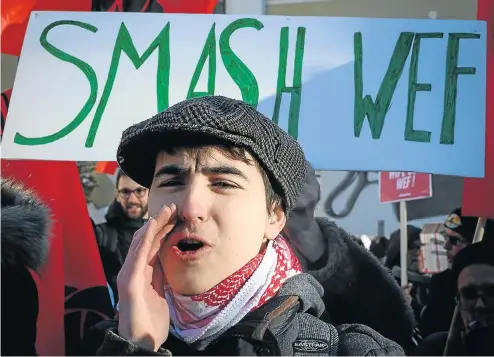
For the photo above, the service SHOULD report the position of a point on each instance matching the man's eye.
(171, 183)
(223, 184)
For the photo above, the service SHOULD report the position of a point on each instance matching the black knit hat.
(466, 226)
(223, 118)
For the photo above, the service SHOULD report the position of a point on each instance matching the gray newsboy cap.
(230, 120)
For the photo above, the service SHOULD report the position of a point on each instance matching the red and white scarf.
(206, 316)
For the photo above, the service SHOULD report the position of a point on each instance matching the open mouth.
(189, 245)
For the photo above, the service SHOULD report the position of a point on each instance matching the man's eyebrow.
(172, 169)
(224, 169)
(179, 170)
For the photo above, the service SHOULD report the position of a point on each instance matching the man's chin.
(190, 287)
(191, 281)
(134, 214)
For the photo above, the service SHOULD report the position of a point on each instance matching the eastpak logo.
(309, 345)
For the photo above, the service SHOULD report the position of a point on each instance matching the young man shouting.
(209, 273)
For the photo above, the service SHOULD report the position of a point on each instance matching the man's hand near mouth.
(143, 311)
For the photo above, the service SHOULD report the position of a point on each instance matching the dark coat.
(114, 237)
(286, 325)
(440, 308)
(25, 225)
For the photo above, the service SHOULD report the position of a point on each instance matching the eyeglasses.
(139, 192)
(455, 240)
(469, 295)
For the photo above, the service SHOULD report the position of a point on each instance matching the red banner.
(15, 16)
(15, 13)
(478, 194)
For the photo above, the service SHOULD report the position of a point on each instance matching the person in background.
(472, 284)
(357, 287)
(379, 246)
(416, 290)
(459, 232)
(25, 244)
(126, 214)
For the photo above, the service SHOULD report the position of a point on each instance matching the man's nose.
(133, 198)
(194, 203)
(480, 303)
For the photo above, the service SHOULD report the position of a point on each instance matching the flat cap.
(227, 119)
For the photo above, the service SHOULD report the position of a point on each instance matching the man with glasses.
(473, 278)
(472, 284)
(127, 213)
(458, 231)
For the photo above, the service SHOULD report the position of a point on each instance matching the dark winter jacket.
(357, 287)
(440, 308)
(287, 325)
(25, 225)
(114, 237)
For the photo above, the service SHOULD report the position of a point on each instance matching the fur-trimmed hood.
(357, 287)
(25, 227)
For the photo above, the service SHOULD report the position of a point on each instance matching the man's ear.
(276, 222)
(117, 196)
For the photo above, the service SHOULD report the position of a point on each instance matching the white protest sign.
(358, 94)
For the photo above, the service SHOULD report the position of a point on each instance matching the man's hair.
(202, 145)
(120, 174)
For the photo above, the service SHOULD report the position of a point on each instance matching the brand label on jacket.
(311, 346)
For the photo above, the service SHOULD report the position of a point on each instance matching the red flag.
(168, 6)
(87, 299)
(15, 16)
(5, 107)
(106, 167)
(188, 7)
(73, 292)
(478, 193)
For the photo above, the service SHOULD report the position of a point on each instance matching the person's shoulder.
(106, 236)
(360, 340)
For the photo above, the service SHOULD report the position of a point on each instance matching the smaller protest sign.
(404, 186)
(432, 258)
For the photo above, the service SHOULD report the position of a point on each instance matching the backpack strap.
(276, 319)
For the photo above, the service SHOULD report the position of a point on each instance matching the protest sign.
(404, 186)
(432, 259)
(358, 94)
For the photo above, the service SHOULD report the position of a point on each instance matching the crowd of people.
(212, 247)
